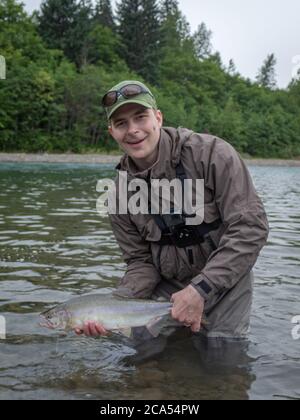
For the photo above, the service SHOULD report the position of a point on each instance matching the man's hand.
(92, 329)
(188, 306)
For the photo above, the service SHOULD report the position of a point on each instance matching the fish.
(112, 312)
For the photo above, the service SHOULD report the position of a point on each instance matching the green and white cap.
(145, 99)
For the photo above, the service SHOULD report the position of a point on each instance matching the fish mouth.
(45, 323)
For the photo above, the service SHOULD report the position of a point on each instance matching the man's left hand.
(188, 306)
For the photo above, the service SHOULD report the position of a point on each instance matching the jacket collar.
(170, 144)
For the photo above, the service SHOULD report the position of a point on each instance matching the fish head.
(55, 318)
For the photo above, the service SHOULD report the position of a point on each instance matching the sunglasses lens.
(128, 91)
(131, 90)
(109, 99)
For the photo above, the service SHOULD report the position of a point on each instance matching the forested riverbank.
(61, 60)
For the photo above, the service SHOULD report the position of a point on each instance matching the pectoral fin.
(156, 326)
(124, 331)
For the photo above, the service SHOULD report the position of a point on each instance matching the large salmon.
(113, 313)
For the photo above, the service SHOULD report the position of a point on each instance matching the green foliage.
(267, 75)
(104, 47)
(104, 14)
(65, 25)
(202, 41)
(61, 61)
(139, 31)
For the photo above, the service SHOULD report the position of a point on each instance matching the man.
(205, 270)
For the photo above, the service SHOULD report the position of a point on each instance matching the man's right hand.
(92, 329)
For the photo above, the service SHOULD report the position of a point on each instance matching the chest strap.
(173, 227)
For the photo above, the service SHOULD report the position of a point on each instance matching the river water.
(54, 246)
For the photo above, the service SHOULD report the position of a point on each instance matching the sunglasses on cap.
(128, 92)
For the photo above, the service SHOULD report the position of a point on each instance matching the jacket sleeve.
(243, 215)
(141, 276)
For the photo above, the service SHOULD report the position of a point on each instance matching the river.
(54, 246)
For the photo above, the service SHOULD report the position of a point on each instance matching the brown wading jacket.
(229, 196)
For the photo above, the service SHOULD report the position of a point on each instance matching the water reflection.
(53, 246)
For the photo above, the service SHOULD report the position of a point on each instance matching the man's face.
(137, 130)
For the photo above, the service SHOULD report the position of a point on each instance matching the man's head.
(126, 92)
(134, 120)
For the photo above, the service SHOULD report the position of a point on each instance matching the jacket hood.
(170, 146)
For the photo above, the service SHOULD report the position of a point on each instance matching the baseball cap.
(144, 98)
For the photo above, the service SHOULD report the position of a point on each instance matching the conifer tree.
(55, 20)
(104, 14)
(169, 7)
(202, 42)
(139, 30)
(175, 30)
(232, 68)
(65, 25)
(267, 73)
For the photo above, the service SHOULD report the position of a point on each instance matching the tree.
(104, 47)
(139, 31)
(55, 21)
(229, 125)
(168, 8)
(202, 42)
(267, 74)
(294, 91)
(18, 35)
(11, 12)
(232, 68)
(177, 47)
(65, 25)
(152, 50)
(29, 91)
(48, 105)
(216, 59)
(175, 30)
(104, 14)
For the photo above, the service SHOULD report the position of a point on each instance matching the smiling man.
(205, 270)
(137, 131)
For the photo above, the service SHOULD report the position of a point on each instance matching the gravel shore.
(58, 158)
(113, 159)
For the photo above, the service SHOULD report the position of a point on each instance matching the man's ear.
(109, 129)
(159, 117)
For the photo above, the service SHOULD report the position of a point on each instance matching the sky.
(246, 31)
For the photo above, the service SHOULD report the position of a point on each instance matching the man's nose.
(132, 128)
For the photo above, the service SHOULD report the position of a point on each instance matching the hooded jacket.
(229, 195)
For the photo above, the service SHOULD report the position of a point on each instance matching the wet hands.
(92, 329)
(188, 306)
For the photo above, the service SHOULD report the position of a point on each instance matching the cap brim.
(128, 101)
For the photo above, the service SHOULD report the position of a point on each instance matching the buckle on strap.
(185, 236)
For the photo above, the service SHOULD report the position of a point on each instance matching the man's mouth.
(135, 143)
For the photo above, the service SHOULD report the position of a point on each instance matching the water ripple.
(53, 246)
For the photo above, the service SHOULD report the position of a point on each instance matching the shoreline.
(95, 158)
